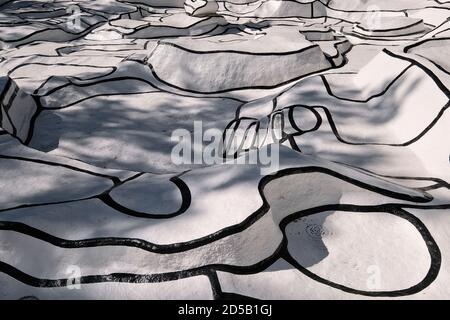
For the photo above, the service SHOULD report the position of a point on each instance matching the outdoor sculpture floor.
(355, 93)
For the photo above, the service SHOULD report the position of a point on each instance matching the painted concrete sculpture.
(355, 94)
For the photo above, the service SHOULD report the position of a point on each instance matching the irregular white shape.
(390, 26)
(160, 3)
(367, 251)
(280, 281)
(399, 107)
(12, 148)
(426, 157)
(154, 194)
(270, 9)
(108, 107)
(242, 62)
(176, 24)
(104, 35)
(192, 288)
(137, 134)
(217, 202)
(27, 182)
(370, 81)
(433, 50)
(200, 8)
(304, 119)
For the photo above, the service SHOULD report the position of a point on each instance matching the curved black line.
(185, 203)
(220, 234)
(114, 179)
(404, 144)
(258, 267)
(392, 29)
(155, 75)
(425, 69)
(379, 94)
(433, 250)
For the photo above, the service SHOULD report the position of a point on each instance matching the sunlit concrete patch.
(327, 244)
